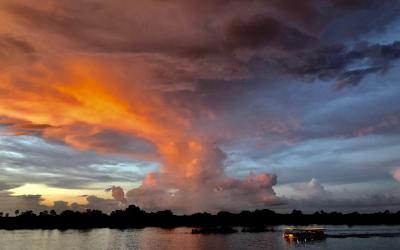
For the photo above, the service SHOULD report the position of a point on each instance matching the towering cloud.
(87, 104)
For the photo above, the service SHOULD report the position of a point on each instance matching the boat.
(304, 234)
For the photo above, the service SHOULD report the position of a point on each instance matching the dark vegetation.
(134, 217)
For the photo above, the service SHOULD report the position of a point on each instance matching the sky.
(200, 105)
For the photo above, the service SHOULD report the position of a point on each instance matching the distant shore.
(134, 217)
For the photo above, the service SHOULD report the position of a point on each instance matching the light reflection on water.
(181, 238)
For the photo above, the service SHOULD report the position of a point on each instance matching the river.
(181, 238)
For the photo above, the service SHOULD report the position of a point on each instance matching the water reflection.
(303, 243)
(181, 238)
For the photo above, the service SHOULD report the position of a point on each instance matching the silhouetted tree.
(297, 212)
(134, 217)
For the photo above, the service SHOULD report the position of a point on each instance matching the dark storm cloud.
(259, 22)
(346, 66)
(346, 4)
(216, 37)
(260, 31)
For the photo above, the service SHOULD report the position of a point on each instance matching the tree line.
(134, 217)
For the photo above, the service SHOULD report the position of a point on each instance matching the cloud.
(96, 34)
(9, 203)
(94, 115)
(194, 180)
(254, 191)
(313, 196)
(5, 186)
(15, 50)
(312, 190)
(60, 206)
(214, 35)
(28, 159)
(86, 137)
(260, 31)
(347, 67)
(396, 174)
(21, 127)
(96, 203)
(353, 4)
(11, 45)
(118, 194)
(356, 202)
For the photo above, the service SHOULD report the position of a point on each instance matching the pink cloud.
(396, 174)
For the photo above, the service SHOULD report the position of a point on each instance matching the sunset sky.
(200, 105)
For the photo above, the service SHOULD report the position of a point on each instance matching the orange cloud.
(85, 102)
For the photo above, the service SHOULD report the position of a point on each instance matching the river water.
(181, 238)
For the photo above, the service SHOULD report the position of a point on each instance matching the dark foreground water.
(181, 238)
